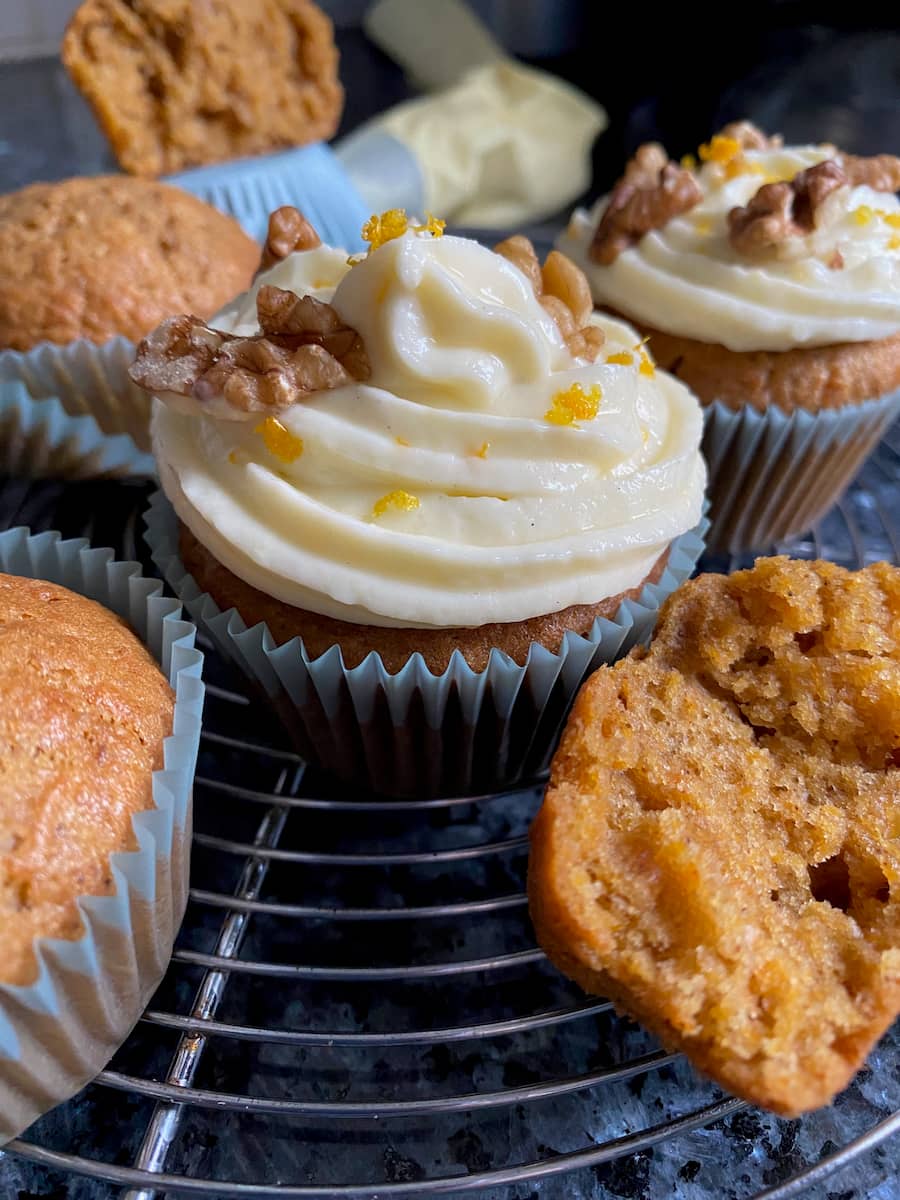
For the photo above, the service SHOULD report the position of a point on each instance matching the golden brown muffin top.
(96, 257)
(84, 714)
(176, 84)
(719, 849)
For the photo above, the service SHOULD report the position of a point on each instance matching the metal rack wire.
(356, 1007)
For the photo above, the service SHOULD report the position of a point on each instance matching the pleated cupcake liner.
(39, 439)
(87, 381)
(772, 474)
(309, 177)
(58, 1032)
(415, 734)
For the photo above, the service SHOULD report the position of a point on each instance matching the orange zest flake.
(482, 451)
(622, 358)
(399, 500)
(892, 219)
(894, 242)
(401, 441)
(279, 441)
(863, 215)
(703, 225)
(384, 227)
(574, 404)
(720, 149)
(233, 458)
(646, 368)
(433, 225)
(740, 166)
(688, 161)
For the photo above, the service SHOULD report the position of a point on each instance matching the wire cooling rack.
(356, 1006)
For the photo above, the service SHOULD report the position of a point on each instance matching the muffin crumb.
(718, 851)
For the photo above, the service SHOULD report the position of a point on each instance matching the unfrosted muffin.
(84, 715)
(96, 257)
(717, 851)
(768, 279)
(432, 449)
(87, 267)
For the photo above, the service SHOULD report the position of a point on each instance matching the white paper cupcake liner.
(772, 475)
(89, 381)
(58, 1032)
(309, 177)
(38, 439)
(463, 732)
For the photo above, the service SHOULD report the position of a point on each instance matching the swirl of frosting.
(481, 473)
(839, 284)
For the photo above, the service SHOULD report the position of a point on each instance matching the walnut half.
(652, 191)
(303, 348)
(780, 211)
(288, 231)
(563, 292)
(750, 137)
(881, 172)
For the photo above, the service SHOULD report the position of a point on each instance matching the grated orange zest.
(279, 441)
(574, 404)
(399, 500)
(433, 225)
(720, 149)
(384, 227)
(621, 358)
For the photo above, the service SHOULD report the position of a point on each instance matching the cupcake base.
(395, 646)
(412, 733)
(784, 432)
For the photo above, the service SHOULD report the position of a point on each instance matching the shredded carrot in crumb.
(482, 451)
(279, 441)
(620, 359)
(574, 404)
(400, 500)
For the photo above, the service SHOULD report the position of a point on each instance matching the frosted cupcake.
(430, 465)
(768, 279)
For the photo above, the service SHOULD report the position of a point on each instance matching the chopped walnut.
(750, 137)
(563, 292)
(781, 211)
(881, 172)
(288, 231)
(303, 348)
(651, 192)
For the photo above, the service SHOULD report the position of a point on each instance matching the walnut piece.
(288, 231)
(750, 137)
(881, 172)
(651, 192)
(563, 292)
(781, 211)
(303, 348)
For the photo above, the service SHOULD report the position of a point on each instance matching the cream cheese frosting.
(686, 279)
(458, 485)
